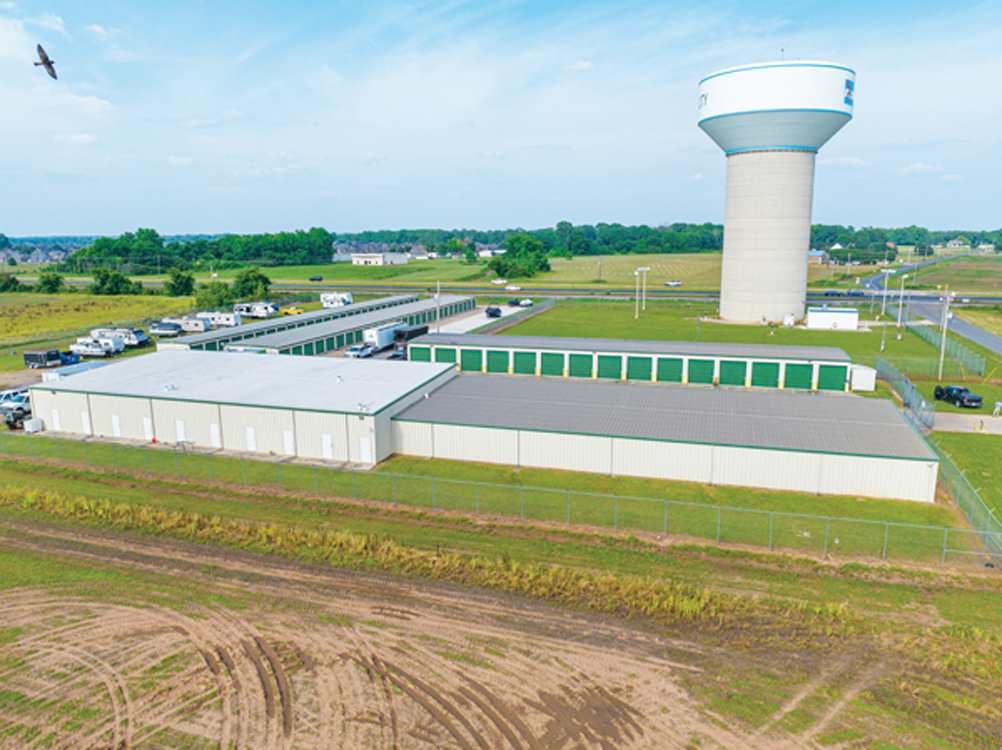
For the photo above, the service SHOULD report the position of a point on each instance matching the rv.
(162, 328)
(221, 319)
(132, 337)
(335, 299)
(86, 347)
(381, 337)
(256, 309)
(190, 325)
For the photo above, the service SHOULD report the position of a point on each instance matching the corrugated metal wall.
(269, 426)
(685, 462)
(310, 429)
(481, 444)
(773, 470)
(128, 413)
(546, 450)
(195, 417)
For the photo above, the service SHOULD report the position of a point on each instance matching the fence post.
(615, 514)
(354, 486)
(476, 496)
(316, 483)
(828, 523)
(59, 452)
(887, 528)
(114, 450)
(434, 500)
(31, 449)
(666, 516)
(208, 467)
(568, 507)
(770, 529)
(243, 465)
(86, 453)
(146, 466)
(177, 464)
(4, 444)
(718, 524)
(945, 533)
(278, 465)
(521, 493)
(393, 481)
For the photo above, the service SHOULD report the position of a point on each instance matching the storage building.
(749, 365)
(319, 408)
(817, 443)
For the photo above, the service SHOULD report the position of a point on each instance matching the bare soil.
(232, 650)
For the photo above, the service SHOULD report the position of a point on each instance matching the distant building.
(818, 257)
(379, 259)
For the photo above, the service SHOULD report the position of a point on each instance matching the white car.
(499, 282)
(525, 303)
(674, 282)
(358, 351)
(513, 288)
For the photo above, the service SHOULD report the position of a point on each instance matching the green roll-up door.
(732, 373)
(297, 350)
(579, 366)
(638, 368)
(419, 353)
(471, 360)
(308, 350)
(330, 344)
(765, 375)
(669, 371)
(551, 364)
(701, 371)
(358, 336)
(524, 363)
(209, 347)
(443, 354)
(497, 362)
(798, 376)
(340, 340)
(831, 377)
(610, 368)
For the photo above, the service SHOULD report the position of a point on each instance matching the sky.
(203, 116)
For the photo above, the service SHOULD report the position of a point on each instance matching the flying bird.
(46, 63)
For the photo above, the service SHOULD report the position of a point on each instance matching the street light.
(946, 323)
(644, 294)
(901, 302)
(636, 297)
(883, 305)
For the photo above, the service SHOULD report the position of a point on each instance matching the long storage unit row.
(335, 334)
(212, 341)
(678, 362)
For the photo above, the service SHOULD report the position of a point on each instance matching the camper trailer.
(256, 309)
(221, 319)
(132, 337)
(190, 325)
(335, 299)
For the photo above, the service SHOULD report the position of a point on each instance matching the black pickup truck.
(957, 395)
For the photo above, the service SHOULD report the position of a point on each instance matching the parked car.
(160, 328)
(20, 401)
(9, 397)
(316, 278)
(399, 354)
(493, 311)
(525, 303)
(957, 395)
(513, 288)
(833, 293)
(856, 293)
(673, 282)
(513, 303)
(358, 351)
(294, 310)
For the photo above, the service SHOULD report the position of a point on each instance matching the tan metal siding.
(412, 439)
(775, 470)
(360, 427)
(69, 405)
(130, 411)
(311, 426)
(268, 424)
(683, 462)
(481, 444)
(879, 477)
(568, 452)
(196, 418)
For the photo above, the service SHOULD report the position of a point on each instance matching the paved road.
(981, 421)
(932, 310)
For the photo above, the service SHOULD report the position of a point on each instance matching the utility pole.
(883, 305)
(644, 287)
(946, 321)
(901, 303)
(636, 297)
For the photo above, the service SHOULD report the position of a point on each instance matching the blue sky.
(244, 117)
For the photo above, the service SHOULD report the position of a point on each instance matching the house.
(379, 259)
(818, 257)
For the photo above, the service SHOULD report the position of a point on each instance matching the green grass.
(989, 318)
(980, 273)
(980, 456)
(421, 271)
(678, 321)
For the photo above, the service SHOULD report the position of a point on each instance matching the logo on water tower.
(849, 86)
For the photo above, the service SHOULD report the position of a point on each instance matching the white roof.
(329, 384)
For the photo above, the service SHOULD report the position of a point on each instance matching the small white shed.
(833, 318)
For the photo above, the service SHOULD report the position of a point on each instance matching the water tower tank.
(770, 120)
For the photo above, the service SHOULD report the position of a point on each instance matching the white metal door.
(326, 446)
(56, 424)
(214, 438)
(179, 430)
(251, 439)
(288, 443)
(148, 429)
(365, 450)
(85, 423)
(116, 426)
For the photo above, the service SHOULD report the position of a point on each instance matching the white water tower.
(770, 120)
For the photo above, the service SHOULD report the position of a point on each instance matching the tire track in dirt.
(873, 674)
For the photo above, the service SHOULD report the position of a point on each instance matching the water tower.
(770, 119)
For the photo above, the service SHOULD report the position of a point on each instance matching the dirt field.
(271, 654)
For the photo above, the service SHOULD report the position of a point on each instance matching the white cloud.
(696, 177)
(77, 139)
(52, 22)
(6, 5)
(98, 31)
(579, 65)
(919, 168)
(843, 161)
(180, 160)
(951, 177)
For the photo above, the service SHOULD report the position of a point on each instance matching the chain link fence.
(968, 360)
(836, 538)
(918, 411)
(916, 366)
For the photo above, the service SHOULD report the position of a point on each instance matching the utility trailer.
(381, 337)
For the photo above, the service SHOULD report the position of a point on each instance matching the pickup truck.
(957, 395)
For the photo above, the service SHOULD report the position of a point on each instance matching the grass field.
(980, 457)
(980, 273)
(989, 318)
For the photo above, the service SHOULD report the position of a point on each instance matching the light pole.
(946, 322)
(644, 287)
(883, 305)
(636, 297)
(901, 303)
(599, 270)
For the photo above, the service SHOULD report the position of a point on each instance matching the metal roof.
(328, 384)
(678, 348)
(299, 336)
(808, 422)
(310, 318)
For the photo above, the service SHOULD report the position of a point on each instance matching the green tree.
(470, 254)
(107, 282)
(49, 281)
(251, 282)
(525, 256)
(9, 283)
(179, 283)
(4, 242)
(215, 295)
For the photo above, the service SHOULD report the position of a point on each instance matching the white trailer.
(256, 309)
(833, 318)
(381, 337)
(335, 299)
(87, 347)
(131, 336)
(190, 325)
(221, 319)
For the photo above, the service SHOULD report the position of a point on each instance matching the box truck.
(381, 337)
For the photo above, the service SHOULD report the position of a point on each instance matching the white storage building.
(311, 407)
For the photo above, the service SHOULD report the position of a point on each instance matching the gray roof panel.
(811, 422)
